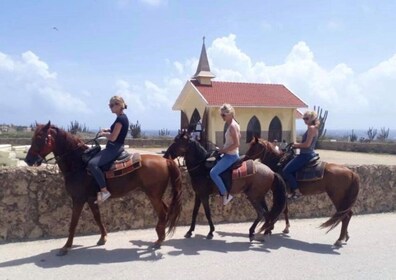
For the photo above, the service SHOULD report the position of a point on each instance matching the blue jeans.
(223, 164)
(105, 156)
(294, 165)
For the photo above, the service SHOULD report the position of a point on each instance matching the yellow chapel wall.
(243, 116)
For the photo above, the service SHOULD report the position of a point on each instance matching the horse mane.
(67, 139)
(271, 156)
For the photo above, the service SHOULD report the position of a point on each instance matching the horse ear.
(48, 125)
(255, 139)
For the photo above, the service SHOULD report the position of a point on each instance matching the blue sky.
(63, 60)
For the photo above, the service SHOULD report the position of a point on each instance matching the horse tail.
(278, 189)
(347, 204)
(175, 206)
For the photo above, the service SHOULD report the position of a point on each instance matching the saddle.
(240, 169)
(124, 164)
(313, 171)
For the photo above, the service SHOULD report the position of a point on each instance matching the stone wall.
(373, 147)
(34, 204)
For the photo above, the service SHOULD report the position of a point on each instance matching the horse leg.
(344, 230)
(76, 212)
(96, 214)
(197, 204)
(205, 202)
(286, 214)
(161, 210)
(260, 208)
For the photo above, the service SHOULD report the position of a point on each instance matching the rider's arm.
(311, 134)
(116, 131)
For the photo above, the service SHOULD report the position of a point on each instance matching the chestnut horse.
(254, 186)
(152, 178)
(340, 183)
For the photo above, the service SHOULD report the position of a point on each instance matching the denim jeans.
(105, 156)
(294, 165)
(225, 162)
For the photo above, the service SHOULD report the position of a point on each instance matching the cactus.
(322, 119)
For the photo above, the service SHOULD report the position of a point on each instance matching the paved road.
(306, 253)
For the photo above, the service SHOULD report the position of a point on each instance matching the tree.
(135, 130)
(163, 132)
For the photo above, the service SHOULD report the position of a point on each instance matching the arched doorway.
(253, 129)
(275, 130)
(195, 126)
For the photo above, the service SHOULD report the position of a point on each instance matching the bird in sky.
(55, 28)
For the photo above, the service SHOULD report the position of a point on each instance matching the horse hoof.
(338, 243)
(188, 234)
(251, 237)
(102, 241)
(267, 232)
(156, 246)
(62, 252)
(209, 236)
(286, 231)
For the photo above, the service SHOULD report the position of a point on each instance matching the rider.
(230, 150)
(307, 152)
(115, 145)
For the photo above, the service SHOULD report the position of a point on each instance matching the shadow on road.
(281, 240)
(141, 251)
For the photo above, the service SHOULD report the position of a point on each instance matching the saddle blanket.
(312, 172)
(124, 166)
(246, 169)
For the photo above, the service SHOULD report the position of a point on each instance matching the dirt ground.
(350, 158)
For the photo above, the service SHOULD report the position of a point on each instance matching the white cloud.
(338, 90)
(30, 91)
(154, 3)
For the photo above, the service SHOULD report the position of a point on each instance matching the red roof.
(249, 94)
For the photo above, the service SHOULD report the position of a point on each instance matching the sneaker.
(294, 195)
(227, 199)
(102, 196)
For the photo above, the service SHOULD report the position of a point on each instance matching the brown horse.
(340, 183)
(152, 177)
(255, 186)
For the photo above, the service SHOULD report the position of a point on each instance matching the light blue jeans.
(223, 164)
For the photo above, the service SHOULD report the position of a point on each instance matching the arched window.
(275, 130)
(253, 129)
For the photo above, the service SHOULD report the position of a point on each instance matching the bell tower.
(203, 74)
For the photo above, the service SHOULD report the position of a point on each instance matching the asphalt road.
(306, 253)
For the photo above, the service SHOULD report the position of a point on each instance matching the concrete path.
(306, 253)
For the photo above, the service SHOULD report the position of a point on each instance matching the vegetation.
(371, 133)
(383, 135)
(136, 131)
(322, 119)
(352, 137)
(75, 127)
(163, 133)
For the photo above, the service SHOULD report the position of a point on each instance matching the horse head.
(266, 152)
(43, 143)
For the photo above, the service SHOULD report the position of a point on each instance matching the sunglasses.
(305, 119)
(111, 105)
(223, 115)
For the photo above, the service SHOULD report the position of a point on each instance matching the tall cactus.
(322, 119)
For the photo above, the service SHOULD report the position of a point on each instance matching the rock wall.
(34, 204)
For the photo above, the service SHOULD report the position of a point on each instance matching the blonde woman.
(307, 152)
(115, 145)
(230, 150)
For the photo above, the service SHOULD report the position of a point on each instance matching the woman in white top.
(230, 150)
